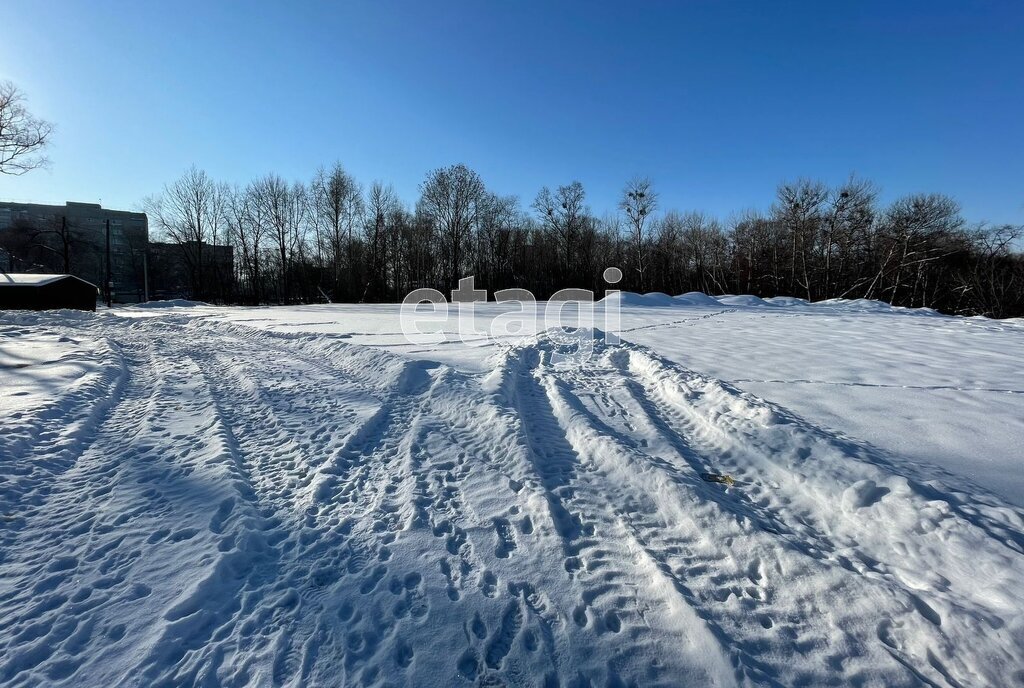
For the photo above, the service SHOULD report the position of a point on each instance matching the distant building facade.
(72, 239)
(191, 270)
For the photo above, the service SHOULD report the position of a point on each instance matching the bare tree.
(798, 210)
(283, 209)
(499, 242)
(337, 206)
(849, 218)
(22, 134)
(453, 197)
(751, 243)
(993, 282)
(638, 202)
(919, 229)
(565, 214)
(382, 203)
(190, 212)
(707, 249)
(246, 230)
(400, 250)
(57, 228)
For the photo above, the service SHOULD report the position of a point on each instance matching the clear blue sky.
(715, 101)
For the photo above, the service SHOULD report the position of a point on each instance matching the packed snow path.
(214, 505)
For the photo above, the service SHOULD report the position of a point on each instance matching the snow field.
(190, 500)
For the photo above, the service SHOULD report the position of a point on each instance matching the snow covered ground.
(299, 496)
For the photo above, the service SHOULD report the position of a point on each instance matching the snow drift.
(170, 303)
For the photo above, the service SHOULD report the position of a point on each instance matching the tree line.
(333, 239)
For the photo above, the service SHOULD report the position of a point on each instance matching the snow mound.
(744, 300)
(658, 299)
(171, 303)
(868, 305)
(654, 299)
(873, 306)
(696, 298)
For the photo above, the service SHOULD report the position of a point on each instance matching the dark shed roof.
(23, 291)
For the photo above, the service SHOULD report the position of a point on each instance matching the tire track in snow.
(386, 452)
(106, 506)
(338, 529)
(605, 602)
(681, 428)
(47, 441)
(664, 510)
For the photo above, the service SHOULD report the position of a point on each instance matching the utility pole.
(66, 244)
(110, 283)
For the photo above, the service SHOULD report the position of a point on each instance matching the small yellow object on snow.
(716, 478)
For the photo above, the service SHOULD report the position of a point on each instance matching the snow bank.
(699, 299)
(696, 298)
(745, 300)
(171, 303)
(654, 299)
